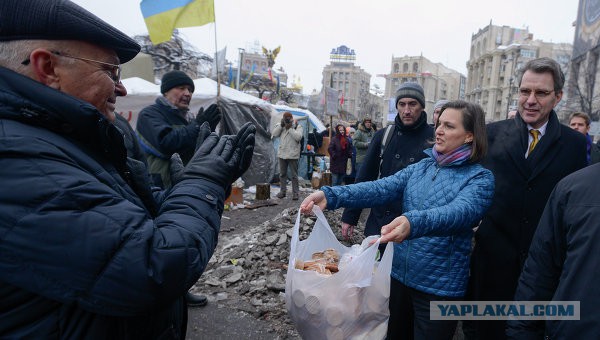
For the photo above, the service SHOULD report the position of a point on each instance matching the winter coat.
(563, 260)
(405, 148)
(443, 205)
(523, 186)
(289, 141)
(362, 139)
(162, 131)
(80, 256)
(338, 156)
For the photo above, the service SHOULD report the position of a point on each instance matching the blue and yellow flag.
(162, 16)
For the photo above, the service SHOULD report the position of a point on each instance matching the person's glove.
(245, 139)
(282, 122)
(216, 160)
(212, 115)
(176, 168)
(202, 134)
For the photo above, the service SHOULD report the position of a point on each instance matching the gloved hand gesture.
(176, 168)
(212, 115)
(245, 143)
(202, 134)
(215, 160)
(176, 165)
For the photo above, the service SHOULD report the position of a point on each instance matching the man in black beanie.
(82, 254)
(166, 127)
(405, 141)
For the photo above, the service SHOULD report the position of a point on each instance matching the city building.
(438, 81)
(583, 94)
(497, 54)
(351, 82)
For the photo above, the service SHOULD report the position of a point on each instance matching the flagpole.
(217, 57)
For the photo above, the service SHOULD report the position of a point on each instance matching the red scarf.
(343, 141)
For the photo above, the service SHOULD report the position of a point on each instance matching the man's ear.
(43, 64)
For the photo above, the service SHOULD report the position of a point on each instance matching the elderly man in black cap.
(404, 142)
(81, 253)
(165, 127)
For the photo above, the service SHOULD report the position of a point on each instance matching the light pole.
(237, 79)
(509, 96)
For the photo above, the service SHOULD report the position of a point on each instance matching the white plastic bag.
(350, 304)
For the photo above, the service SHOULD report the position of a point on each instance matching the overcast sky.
(307, 30)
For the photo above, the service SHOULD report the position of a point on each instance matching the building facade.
(351, 82)
(583, 93)
(496, 57)
(438, 81)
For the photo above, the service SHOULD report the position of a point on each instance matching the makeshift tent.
(239, 108)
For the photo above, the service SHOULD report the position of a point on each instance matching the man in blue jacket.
(410, 135)
(81, 253)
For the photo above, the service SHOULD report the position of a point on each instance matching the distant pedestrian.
(290, 135)
(437, 108)
(581, 122)
(362, 139)
(340, 150)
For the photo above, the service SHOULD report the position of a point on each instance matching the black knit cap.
(61, 20)
(175, 78)
(411, 90)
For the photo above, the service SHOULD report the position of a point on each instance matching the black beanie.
(175, 78)
(411, 90)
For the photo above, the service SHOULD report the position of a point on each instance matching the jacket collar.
(422, 121)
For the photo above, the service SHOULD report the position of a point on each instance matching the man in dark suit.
(528, 156)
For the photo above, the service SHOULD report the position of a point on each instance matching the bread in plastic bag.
(350, 304)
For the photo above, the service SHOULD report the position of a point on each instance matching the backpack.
(387, 137)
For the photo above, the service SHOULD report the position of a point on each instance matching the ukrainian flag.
(162, 16)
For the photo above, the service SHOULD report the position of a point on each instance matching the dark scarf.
(406, 128)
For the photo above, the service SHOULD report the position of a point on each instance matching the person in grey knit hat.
(411, 90)
(437, 108)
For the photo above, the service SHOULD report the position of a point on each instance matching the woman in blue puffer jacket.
(444, 197)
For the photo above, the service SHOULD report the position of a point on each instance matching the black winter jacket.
(563, 260)
(80, 256)
(164, 130)
(405, 148)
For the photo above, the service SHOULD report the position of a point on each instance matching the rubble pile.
(247, 270)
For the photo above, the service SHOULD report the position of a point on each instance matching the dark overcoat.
(523, 186)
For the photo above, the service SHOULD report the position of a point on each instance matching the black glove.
(245, 143)
(202, 134)
(216, 160)
(212, 115)
(176, 168)
(282, 122)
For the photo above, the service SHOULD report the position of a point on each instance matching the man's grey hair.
(14, 52)
(545, 65)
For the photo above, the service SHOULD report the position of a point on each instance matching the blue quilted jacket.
(443, 204)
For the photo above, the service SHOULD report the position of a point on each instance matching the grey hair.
(14, 52)
(545, 65)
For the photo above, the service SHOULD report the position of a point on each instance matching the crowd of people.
(105, 228)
